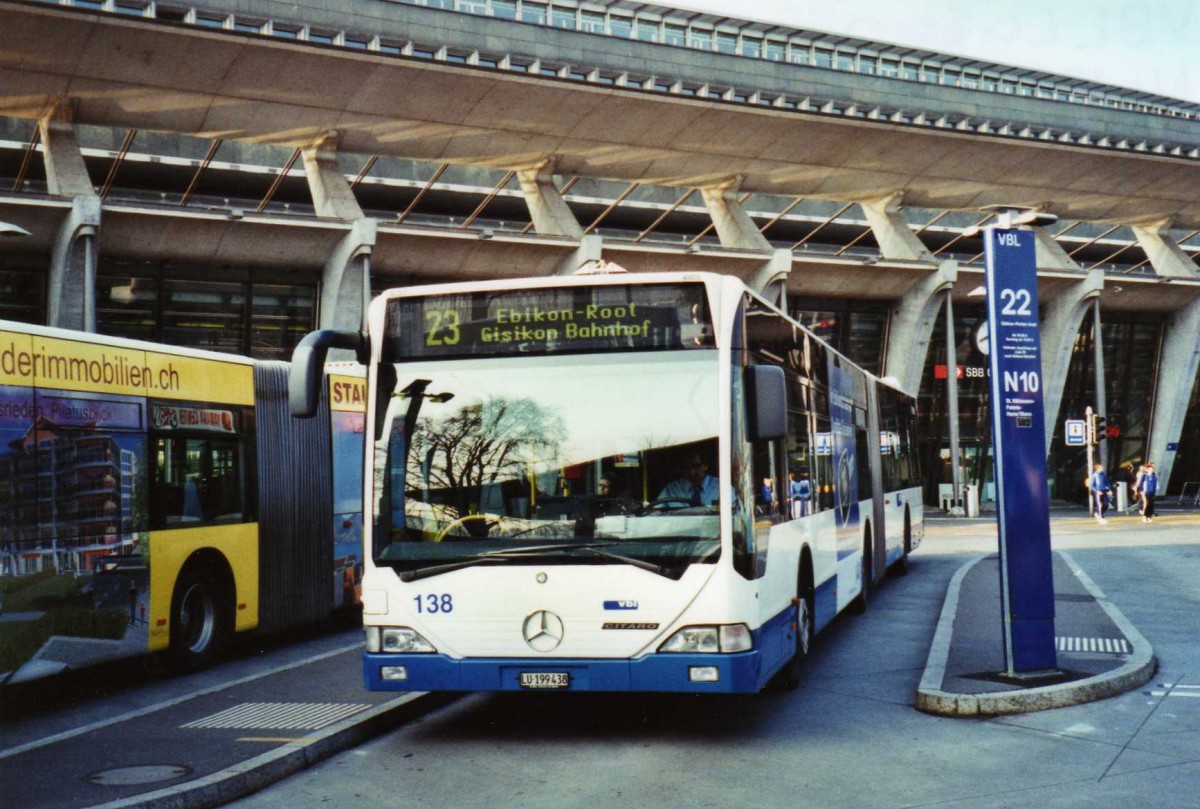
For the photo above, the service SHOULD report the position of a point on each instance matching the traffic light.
(1096, 429)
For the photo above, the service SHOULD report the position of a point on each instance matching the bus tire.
(788, 678)
(859, 605)
(200, 617)
(900, 568)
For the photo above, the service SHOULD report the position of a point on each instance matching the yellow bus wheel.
(201, 617)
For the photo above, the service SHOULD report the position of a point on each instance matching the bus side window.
(196, 480)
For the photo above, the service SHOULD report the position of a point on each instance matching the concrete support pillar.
(66, 174)
(1180, 358)
(1061, 319)
(591, 248)
(547, 208)
(956, 493)
(896, 239)
(72, 287)
(1167, 258)
(1048, 253)
(346, 278)
(332, 195)
(1178, 364)
(770, 280)
(734, 226)
(910, 326)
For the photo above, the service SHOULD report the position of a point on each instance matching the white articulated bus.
(586, 483)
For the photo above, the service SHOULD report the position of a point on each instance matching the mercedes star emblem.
(543, 631)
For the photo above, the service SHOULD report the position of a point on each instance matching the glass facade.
(1186, 470)
(264, 314)
(255, 315)
(22, 295)
(974, 428)
(857, 329)
(1131, 345)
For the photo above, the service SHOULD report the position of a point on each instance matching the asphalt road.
(849, 737)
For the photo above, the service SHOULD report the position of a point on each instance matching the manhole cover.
(146, 774)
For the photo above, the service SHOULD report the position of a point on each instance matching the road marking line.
(1102, 645)
(67, 734)
(279, 716)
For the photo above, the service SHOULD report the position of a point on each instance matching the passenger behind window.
(694, 485)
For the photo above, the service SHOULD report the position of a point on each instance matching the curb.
(224, 786)
(1136, 671)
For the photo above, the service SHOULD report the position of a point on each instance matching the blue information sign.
(1019, 446)
(1076, 432)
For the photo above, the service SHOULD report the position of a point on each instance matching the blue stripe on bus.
(742, 672)
(825, 606)
(656, 672)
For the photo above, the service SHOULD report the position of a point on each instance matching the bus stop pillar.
(1019, 445)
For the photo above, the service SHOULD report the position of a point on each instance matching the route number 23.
(441, 327)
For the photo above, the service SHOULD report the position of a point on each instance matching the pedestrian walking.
(1149, 490)
(1137, 488)
(1099, 486)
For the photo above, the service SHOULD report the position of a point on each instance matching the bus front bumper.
(686, 673)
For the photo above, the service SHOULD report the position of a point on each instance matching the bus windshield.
(547, 460)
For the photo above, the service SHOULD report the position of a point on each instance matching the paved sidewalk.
(208, 747)
(1100, 654)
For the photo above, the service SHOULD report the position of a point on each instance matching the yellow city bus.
(157, 499)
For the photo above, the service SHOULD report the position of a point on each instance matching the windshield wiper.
(558, 546)
(629, 560)
(505, 554)
(426, 572)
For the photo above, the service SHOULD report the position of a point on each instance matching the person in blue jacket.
(1149, 488)
(1100, 487)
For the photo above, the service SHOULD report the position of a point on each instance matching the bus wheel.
(199, 627)
(901, 567)
(859, 605)
(788, 678)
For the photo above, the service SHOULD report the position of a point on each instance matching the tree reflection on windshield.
(488, 444)
(482, 456)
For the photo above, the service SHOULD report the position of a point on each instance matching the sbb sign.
(964, 372)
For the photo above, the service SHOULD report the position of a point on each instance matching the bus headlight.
(710, 639)
(397, 640)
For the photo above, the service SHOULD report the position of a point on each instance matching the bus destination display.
(548, 321)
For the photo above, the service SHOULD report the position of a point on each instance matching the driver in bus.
(694, 485)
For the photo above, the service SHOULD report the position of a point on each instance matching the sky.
(1150, 45)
